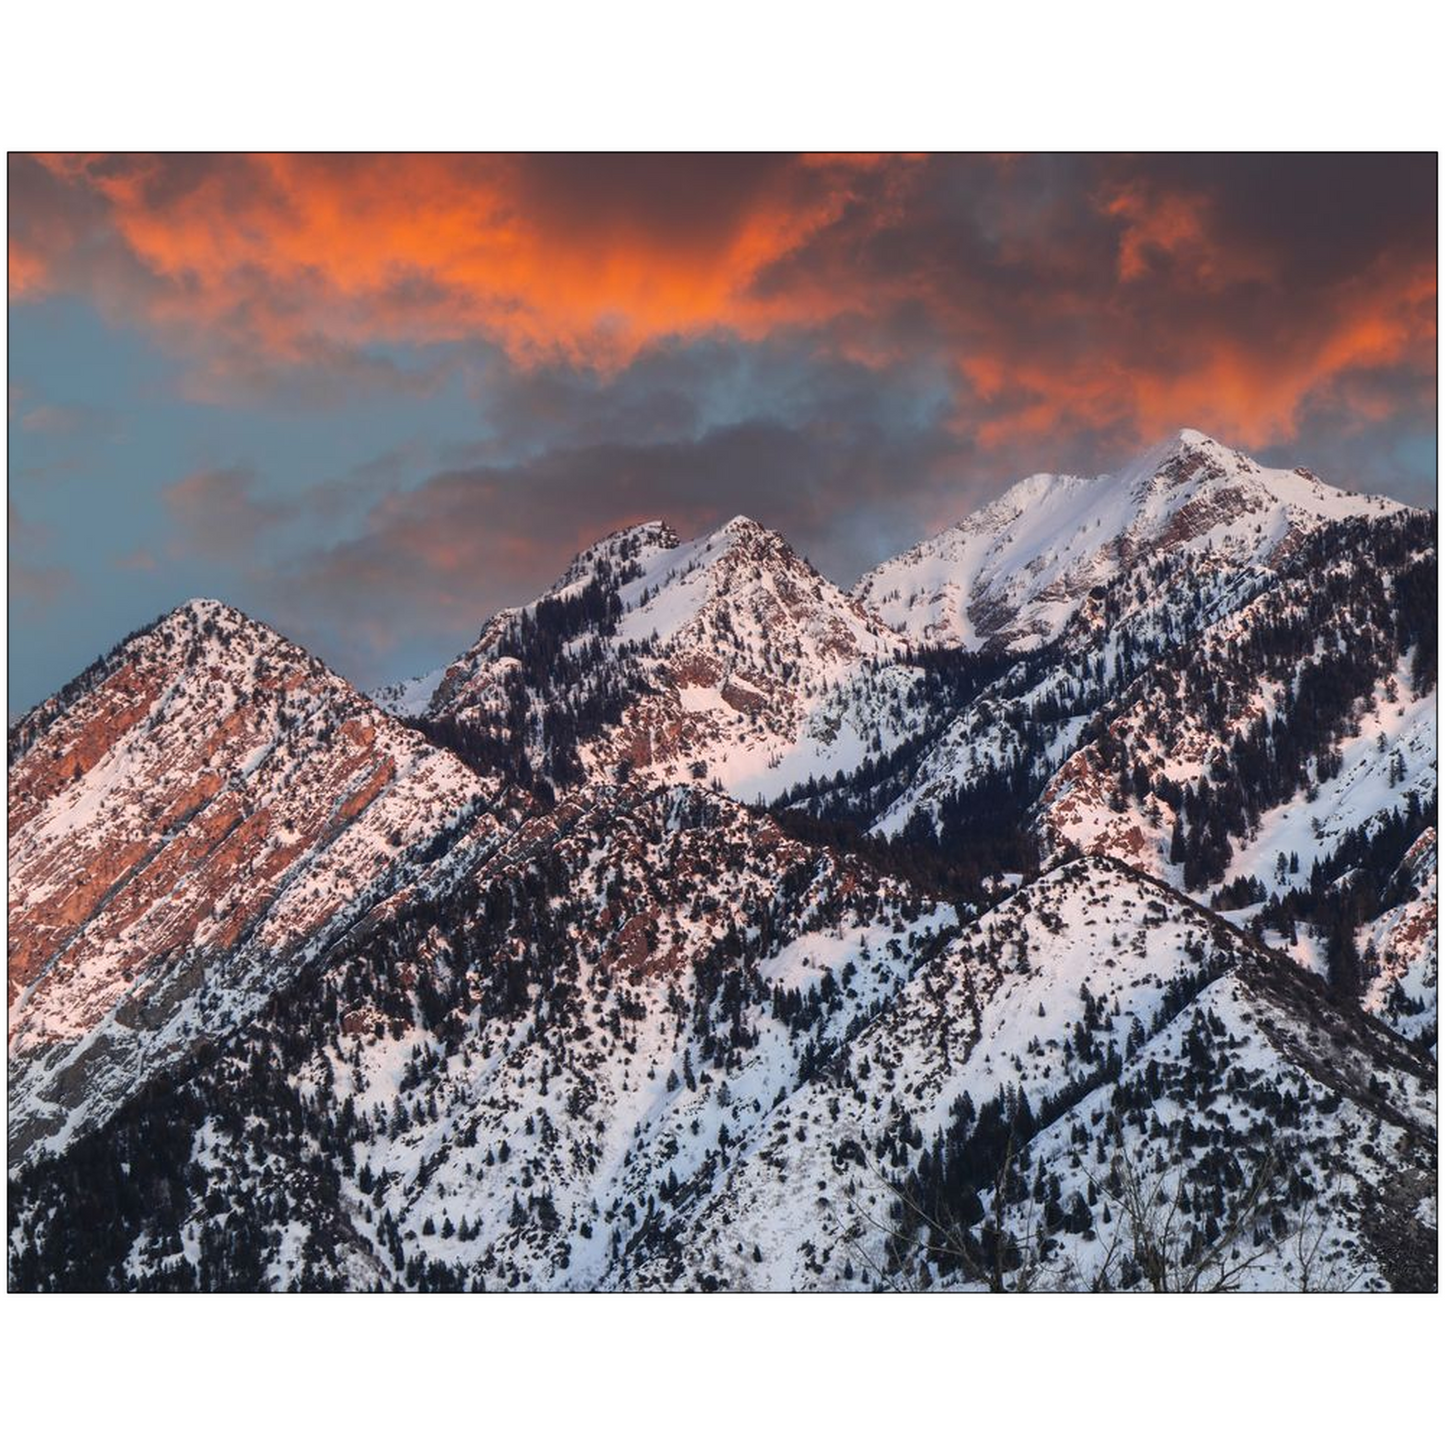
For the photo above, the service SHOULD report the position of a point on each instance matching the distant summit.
(1013, 573)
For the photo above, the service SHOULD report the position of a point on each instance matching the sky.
(372, 399)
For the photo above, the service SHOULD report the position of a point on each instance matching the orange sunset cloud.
(1105, 300)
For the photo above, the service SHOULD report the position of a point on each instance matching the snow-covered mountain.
(189, 820)
(780, 1072)
(1254, 728)
(1014, 573)
(726, 659)
(1057, 911)
(1028, 1114)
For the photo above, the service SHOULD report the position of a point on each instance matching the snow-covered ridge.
(1089, 977)
(689, 1086)
(1015, 572)
(710, 658)
(728, 658)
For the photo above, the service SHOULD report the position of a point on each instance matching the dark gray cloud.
(438, 558)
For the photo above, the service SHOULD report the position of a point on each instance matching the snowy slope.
(728, 1062)
(534, 1052)
(1403, 943)
(1395, 752)
(1015, 572)
(410, 697)
(1090, 976)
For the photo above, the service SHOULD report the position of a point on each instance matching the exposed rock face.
(210, 809)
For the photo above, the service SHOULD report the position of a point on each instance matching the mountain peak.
(704, 658)
(1191, 437)
(1015, 571)
(208, 791)
(741, 526)
(616, 550)
(655, 531)
(1183, 455)
(199, 614)
(200, 605)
